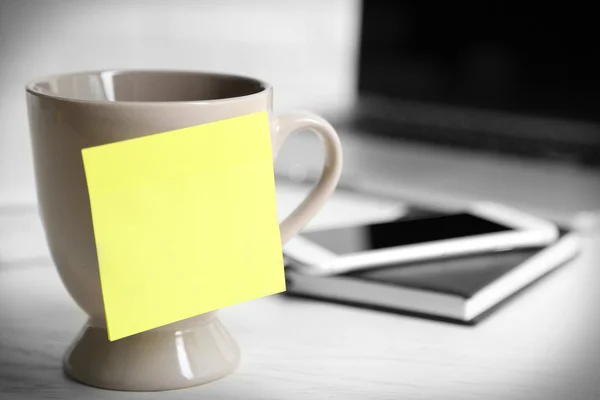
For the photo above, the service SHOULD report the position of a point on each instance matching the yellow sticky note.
(185, 222)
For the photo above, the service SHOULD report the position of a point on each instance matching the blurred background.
(436, 106)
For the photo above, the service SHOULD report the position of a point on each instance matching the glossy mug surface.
(70, 112)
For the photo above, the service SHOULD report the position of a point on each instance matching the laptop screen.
(487, 59)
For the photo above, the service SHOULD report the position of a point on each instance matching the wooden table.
(543, 345)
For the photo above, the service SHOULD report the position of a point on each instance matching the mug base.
(165, 358)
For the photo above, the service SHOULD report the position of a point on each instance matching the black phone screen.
(402, 232)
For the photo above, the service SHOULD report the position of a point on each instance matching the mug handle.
(281, 128)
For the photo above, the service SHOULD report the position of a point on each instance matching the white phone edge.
(530, 231)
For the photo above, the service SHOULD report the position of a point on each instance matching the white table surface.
(543, 345)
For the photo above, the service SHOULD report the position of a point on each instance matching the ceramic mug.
(70, 112)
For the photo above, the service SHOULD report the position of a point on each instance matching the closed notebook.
(462, 289)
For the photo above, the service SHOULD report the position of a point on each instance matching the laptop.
(484, 75)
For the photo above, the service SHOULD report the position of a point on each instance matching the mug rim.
(30, 87)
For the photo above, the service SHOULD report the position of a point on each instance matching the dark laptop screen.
(536, 60)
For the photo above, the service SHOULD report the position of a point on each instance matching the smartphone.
(480, 228)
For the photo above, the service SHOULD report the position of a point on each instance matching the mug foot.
(171, 357)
